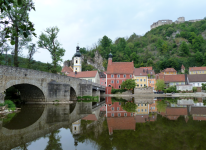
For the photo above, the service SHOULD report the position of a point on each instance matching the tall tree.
(18, 19)
(32, 51)
(48, 40)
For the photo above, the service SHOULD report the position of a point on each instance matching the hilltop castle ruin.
(167, 21)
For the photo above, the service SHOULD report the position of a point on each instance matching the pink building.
(102, 77)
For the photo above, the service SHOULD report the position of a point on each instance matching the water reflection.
(160, 123)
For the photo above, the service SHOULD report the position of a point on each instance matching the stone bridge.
(38, 86)
(35, 121)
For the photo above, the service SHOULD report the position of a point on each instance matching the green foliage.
(171, 89)
(9, 117)
(10, 104)
(128, 84)
(161, 106)
(203, 86)
(160, 85)
(184, 49)
(88, 98)
(48, 41)
(194, 89)
(114, 91)
(129, 106)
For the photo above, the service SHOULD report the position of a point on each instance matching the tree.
(17, 20)
(105, 42)
(32, 51)
(199, 56)
(160, 85)
(129, 106)
(48, 40)
(184, 48)
(161, 106)
(128, 84)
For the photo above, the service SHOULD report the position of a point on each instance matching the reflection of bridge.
(37, 86)
(35, 121)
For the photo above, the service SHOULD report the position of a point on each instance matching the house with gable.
(117, 72)
(197, 70)
(169, 71)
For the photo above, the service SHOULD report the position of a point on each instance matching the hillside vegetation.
(162, 47)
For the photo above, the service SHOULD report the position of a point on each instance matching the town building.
(76, 127)
(197, 70)
(67, 70)
(169, 71)
(198, 113)
(196, 79)
(92, 76)
(153, 106)
(77, 61)
(142, 109)
(171, 80)
(144, 76)
(102, 77)
(183, 69)
(117, 72)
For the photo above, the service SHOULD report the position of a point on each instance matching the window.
(198, 84)
(138, 104)
(76, 61)
(171, 83)
(141, 80)
(124, 75)
(112, 81)
(169, 72)
(112, 114)
(76, 68)
(145, 104)
(141, 104)
(125, 114)
(193, 71)
(117, 81)
(117, 108)
(105, 82)
(142, 110)
(151, 72)
(118, 76)
(144, 84)
(137, 80)
(112, 108)
(130, 76)
(182, 83)
(119, 103)
(101, 82)
(145, 110)
(112, 76)
(131, 114)
(137, 85)
(152, 81)
(75, 128)
(141, 85)
(102, 79)
(196, 71)
(119, 114)
(119, 86)
(200, 71)
(144, 80)
(138, 110)
(190, 72)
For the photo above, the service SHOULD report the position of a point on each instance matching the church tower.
(77, 61)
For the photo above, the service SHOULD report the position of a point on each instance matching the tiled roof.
(102, 75)
(182, 67)
(198, 110)
(197, 68)
(197, 77)
(141, 118)
(67, 69)
(169, 70)
(121, 123)
(173, 111)
(143, 72)
(83, 74)
(90, 117)
(148, 68)
(120, 67)
(174, 78)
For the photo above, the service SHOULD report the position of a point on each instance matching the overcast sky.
(86, 21)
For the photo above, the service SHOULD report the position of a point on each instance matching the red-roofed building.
(120, 123)
(117, 72)
(91, 117)
(169, 71)
(67, 70)
(197, 70)
(171, 80)
(92, 76)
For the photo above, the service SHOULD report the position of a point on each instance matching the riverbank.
(198, 94)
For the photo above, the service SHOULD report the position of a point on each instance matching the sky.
(87, 21)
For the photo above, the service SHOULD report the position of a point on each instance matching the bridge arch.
(30, 91)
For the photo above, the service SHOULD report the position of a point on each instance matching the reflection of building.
(153, 106)
(91, 117)
(102, 76)
(142, 109)
(198, 113)
(173, 113)
(76, 127)
(121, 123)
(145, 118)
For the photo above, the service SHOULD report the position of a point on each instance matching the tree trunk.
(16, 62)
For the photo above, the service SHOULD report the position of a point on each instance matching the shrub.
(194, 89)
(10, 104)
(114, 91)
(129, 107)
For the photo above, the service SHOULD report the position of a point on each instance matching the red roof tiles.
(169, 70)
(121, 123)
(197, 68)
(84, 74)
(120, 67)
(182, 67)
(174, 78)
(143, 72)
(90, 117)
(149, 68)
(67, 69)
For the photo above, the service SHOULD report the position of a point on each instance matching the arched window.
(109, 85)
(76, 61)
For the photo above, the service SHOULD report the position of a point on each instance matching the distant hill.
(162, 47)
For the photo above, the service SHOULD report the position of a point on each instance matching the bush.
(194, 89)
(10, 104)
(114, 91)
(129, 107)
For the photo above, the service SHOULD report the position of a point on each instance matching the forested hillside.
(162, 47)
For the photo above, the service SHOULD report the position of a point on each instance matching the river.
(119, 124)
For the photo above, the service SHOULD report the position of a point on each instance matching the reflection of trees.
(161, 106)
(54, 141)
(23, 146)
